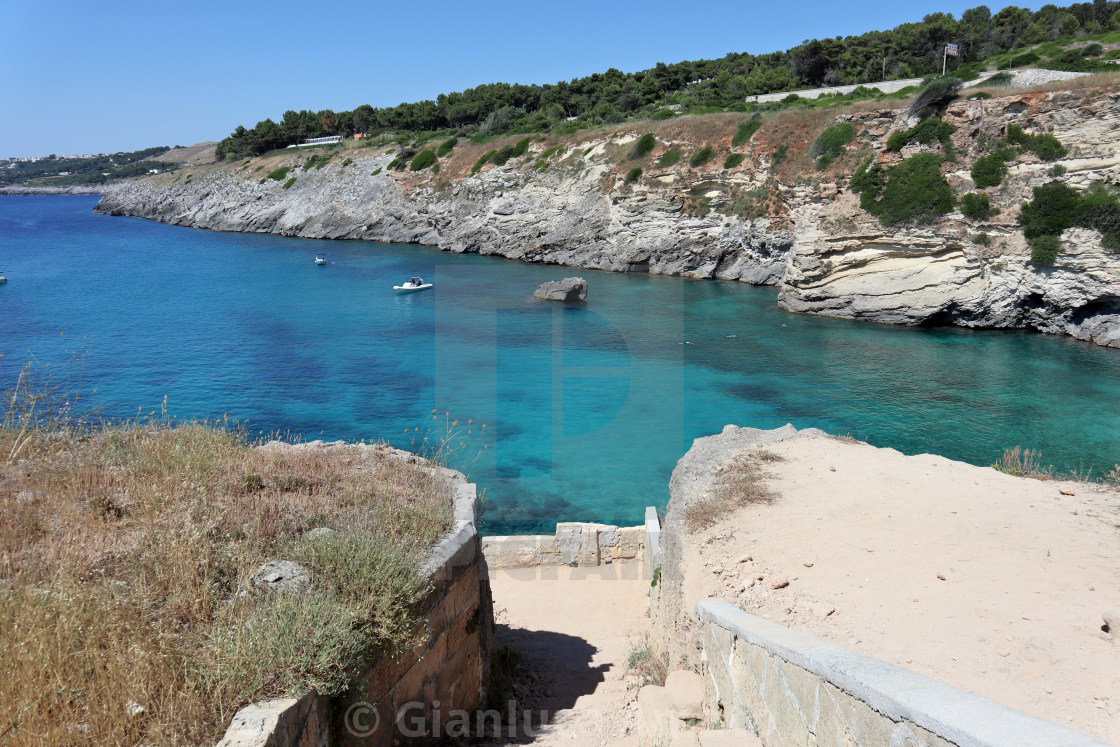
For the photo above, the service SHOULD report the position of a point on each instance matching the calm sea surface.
(587, 409)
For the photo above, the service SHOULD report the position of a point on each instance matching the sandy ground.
(574, 628)
(992, 583)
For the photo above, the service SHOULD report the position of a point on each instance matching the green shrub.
(1055, 208)
(829, 145)
(661, 114)
(423, 160)
(634, 175)
(521, 148)
(446, 146)
(375, 172)
(279, 174)
(702, 156)
(502, 155)
(289, 183)
(1045, 249)
(642, 147)
(989, 170)
(1101, 210)
(1056, 170)
(1024, 60)
(793, 98)
(914, 191)
(746, 131)
(482, 160)
(977, 205)
(778, 157)
(1092, 50)
(935, 95)
(999, 79)
(733, 160)
(982, 239)
(930, 130)
(669, 158)
(1044, 145)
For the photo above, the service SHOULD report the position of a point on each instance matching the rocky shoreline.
(812, 240)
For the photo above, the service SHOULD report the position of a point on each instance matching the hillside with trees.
(909, 50)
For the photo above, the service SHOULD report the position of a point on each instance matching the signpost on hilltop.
(951, 50)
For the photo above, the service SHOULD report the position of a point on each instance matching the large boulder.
(568, 289)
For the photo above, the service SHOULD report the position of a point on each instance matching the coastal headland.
(704, 203)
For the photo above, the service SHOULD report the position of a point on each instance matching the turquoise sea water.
(587, 408)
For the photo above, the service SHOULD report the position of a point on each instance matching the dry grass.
(122, 552)
(738, 484)
(1024, 463)
(643, 661)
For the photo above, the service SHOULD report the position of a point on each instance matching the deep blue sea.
(587, 408)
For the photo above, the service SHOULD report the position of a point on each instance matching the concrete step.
(685, 692)
(728, 738)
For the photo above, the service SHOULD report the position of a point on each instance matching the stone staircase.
(673, 716)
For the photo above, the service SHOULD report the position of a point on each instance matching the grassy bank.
(125, 610)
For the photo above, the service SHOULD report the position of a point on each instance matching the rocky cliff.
(772, 219)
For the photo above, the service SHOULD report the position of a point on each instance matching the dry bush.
(650, 666)
(122, 552)
(738, 484)
(1112, 477)
(1024, 463)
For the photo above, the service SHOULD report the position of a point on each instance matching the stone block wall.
(791, 688)
(450, 668)
(582, 543)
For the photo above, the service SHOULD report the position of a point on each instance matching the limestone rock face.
(559, 216)
(568, 289)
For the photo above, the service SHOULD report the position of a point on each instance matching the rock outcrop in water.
(790, 226)
(568, 289)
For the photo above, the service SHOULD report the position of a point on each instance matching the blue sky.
(84, 77)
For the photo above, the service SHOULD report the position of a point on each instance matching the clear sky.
(88, 77)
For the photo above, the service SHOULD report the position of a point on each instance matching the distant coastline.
(75, 190)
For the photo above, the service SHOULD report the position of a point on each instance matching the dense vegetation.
(929, 130)
(914, 191)
(53, 171)
(1057, 206)
(909, 50)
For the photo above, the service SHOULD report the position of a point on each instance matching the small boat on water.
(3, 279)
(320, 259)
(413, 284)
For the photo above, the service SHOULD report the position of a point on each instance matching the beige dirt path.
(574, 628)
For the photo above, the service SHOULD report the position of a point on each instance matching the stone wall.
(450, 667)
(791, 688)
(578, 542)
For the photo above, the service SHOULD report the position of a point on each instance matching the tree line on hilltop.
(909, 50)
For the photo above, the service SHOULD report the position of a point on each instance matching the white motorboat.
(320, 259)
(3, 280)
(413, 284)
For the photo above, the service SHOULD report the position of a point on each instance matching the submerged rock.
(568, 289)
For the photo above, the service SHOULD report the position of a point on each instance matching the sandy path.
(992, 583)
(574, 628)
